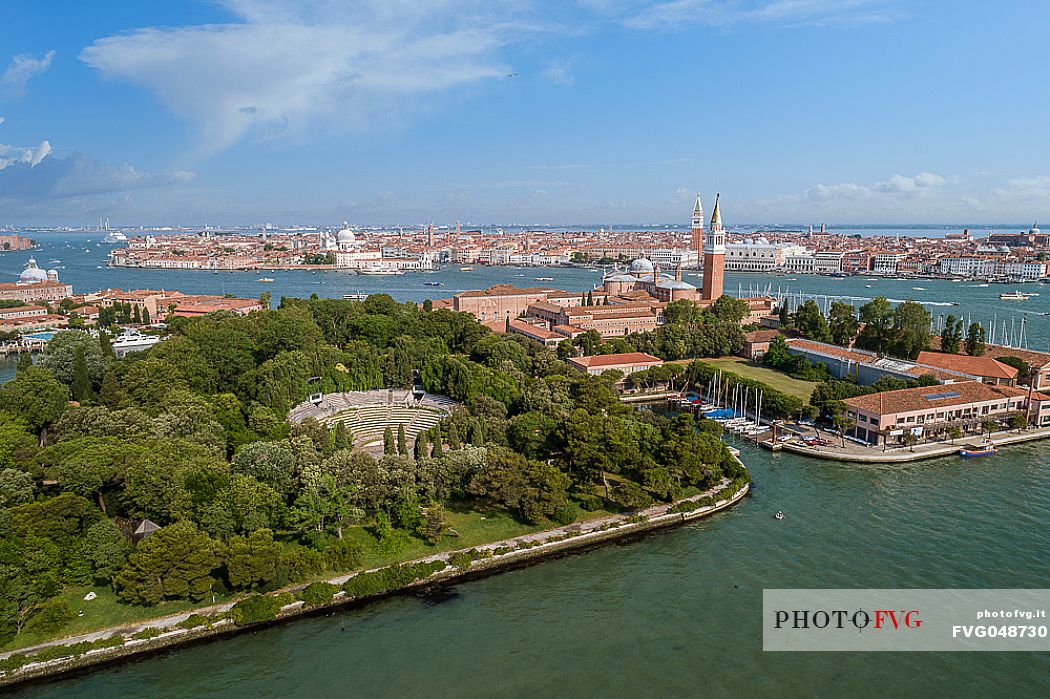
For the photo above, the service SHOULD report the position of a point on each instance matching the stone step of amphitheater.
(367, 414)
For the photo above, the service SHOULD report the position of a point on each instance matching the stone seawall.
(484, 561)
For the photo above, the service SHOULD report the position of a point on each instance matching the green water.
(672, 614)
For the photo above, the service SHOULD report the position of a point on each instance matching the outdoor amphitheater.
(367, 414)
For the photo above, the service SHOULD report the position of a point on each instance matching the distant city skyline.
(616, 112)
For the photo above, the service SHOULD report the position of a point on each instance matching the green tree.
(454, 441)
(989, 426)
(951, 336)
(60, 357)
(389, 446)
(252, 560)
(911, 329)
(419, 449)
(82, 391)
(975, 340)
(730, 309)
(877, 318)
(1018, 422)
(402, 444)
(810, 322)
(106, 549)
(342, 436)
(35, 396)
(842, 323)
(176, 562)
(146, 320)
(954, 433)
(16, 487)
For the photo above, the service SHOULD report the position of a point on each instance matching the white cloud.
(21, 70)
(902, 184)
(33, 176)
(29, 156)
(284, 68)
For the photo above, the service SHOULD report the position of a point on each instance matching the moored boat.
(974, 450)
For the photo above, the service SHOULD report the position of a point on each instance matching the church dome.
(1035, 229)
(641, 265)
(32, 273)
(345, 235)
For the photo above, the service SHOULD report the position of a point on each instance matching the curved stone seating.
(367, 414)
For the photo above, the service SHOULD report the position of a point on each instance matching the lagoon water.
(672, 614)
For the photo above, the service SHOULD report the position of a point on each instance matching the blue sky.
(597, 111)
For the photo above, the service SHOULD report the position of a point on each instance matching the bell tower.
(714, 250)
(697, 231)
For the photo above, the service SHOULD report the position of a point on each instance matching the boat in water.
(373, 272)
(132, 341)
(264, 280)
(544, 279)
(466, 269)
(115, 237)
(355, 297)
(974, 450)
(1015, 296)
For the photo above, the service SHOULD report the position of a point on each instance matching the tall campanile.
(714, 256)
(696, 240)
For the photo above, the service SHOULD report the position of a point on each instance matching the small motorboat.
(973, 450)
(779, 515)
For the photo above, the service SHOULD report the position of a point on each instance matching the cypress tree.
(25, 360)
(146, 320)
(110, 394)
(436, 451)
(136, 315)
(81, 380)
(342, 437)
(389, 447)
(107, 346)
(590, 298)
(453, 437)
(402, 442)
(420, 448)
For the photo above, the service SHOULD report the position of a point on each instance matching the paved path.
(875, 455)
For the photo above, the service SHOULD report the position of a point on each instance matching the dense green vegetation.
(688, 331)
(191, 437)
(902, 331)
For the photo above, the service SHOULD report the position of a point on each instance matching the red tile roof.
(934, 397)
(627, 358)
(974, 366)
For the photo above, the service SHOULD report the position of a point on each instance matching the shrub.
(192, 622)
(146, 634)
(461, 560)
(318, 593)
(255, 609)
(342, 554)
(54, 614)
(566, 513)
(300, 563)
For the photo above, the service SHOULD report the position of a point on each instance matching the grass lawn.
(758, 372)
(104, 611)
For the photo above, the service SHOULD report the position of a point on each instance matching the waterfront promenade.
(857, 453)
